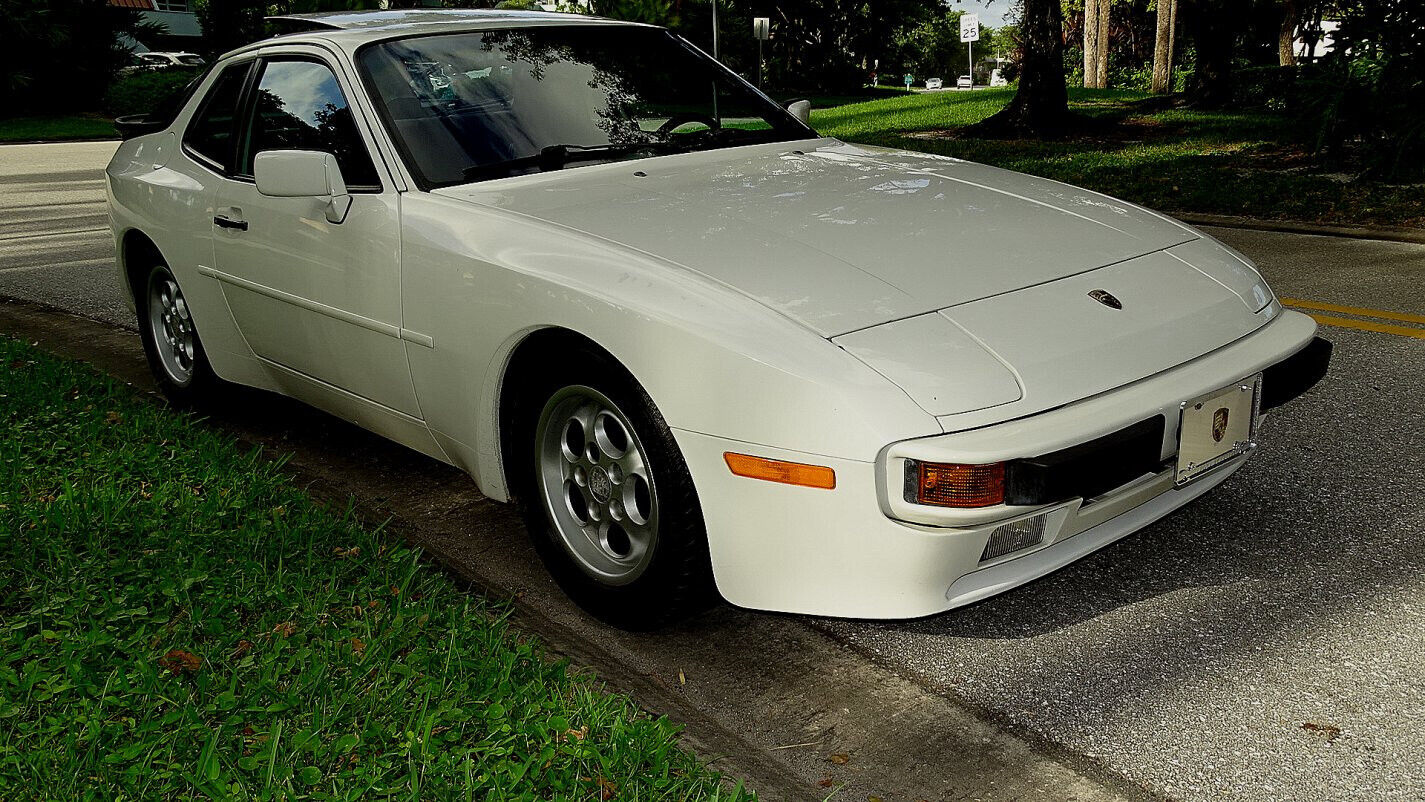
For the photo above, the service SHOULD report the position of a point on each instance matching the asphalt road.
(1263, 643)
(54, 229)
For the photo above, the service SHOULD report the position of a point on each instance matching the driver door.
(320, 302)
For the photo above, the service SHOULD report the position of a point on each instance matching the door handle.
(224, 222)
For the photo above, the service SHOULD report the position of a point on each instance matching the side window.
(299, 106)
(210, 132)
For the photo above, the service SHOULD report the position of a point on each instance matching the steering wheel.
(683, 118)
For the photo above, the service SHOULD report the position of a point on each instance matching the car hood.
(841, 237)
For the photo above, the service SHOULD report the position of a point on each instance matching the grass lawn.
(1179, 160)
(177, 620)
(51, 129)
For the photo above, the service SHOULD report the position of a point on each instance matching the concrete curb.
(767, 698)
(1384, 233)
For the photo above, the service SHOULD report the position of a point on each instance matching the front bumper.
(862, 551)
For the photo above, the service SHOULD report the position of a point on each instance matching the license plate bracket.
(1216, 428)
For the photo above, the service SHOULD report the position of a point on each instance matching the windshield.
(488, 104)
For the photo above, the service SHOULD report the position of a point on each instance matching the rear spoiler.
(298, 23)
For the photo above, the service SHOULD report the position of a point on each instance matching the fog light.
(1015, 536)
(949, 484)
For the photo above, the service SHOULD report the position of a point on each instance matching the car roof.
(351, 29)
(383, 18)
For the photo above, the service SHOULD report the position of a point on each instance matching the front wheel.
(170, 339)
(609, 502)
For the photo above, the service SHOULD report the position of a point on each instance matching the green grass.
(177, 620)
(52, 129)
(1236, 163)
(910, 112)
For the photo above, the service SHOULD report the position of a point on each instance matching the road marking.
(1369, 325)
(1381, 314)
(1315, 308)
(103, 261)
(38, 234)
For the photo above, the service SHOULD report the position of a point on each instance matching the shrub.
(1365, 99)
(1269, 88)
(57, 56)
(141, 92)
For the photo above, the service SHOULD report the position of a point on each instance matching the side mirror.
(303, 174)
(801, 109)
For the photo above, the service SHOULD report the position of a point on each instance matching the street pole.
(760, 66)
(714, 6)
(971, 59)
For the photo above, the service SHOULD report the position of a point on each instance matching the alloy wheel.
(171, 324)
(597, 485)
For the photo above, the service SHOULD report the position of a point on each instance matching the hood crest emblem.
(1106, 298)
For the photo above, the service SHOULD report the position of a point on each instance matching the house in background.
(1311, 45)
(176, 16)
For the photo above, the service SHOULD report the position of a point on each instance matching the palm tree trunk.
(1041, 104)
(1091, 43)
(1102, 73)
(1163, 51)
(1286, 41)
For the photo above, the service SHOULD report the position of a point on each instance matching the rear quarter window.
(212, 132)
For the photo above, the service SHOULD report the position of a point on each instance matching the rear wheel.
(170, 338)
(608, 499)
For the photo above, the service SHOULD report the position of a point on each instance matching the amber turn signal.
(773, 470)
(948, 484)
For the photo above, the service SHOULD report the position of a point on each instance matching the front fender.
(477, 280)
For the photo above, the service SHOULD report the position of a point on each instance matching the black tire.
(182, 387)
(676, 581)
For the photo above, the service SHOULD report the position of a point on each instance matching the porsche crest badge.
(1219, 424)
(1106, 298)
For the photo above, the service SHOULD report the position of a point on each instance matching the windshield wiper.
(734, 137)
(555, 157)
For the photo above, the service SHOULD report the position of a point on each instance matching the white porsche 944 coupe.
(707, 350)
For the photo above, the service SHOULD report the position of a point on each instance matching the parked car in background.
(156, 60)
(965, 82)
(705, 349)
(934, 83)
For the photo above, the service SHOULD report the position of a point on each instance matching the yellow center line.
(1402, 317)
(1368, 325)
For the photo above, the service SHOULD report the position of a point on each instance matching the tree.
(61, 55)
(1041, 103)
(228, 24)
(1091, 43)
(817, 45)
(1286, 38)
(933, 48)
(1213, 38)
(1096, 43)
(1104, 7)
(1368, 99)
(1167, 15)
(653, 12)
